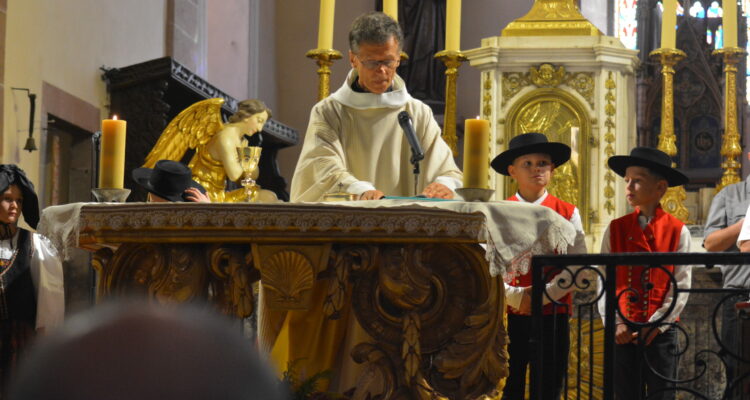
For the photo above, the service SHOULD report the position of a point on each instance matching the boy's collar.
(536, 202)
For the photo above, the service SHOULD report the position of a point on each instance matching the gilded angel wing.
(192, 127)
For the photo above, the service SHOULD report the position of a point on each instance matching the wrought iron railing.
(591, 361)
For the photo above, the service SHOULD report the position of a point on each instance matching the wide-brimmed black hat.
(168, 179)
(10, 174)
(530, 143)
(655, 160)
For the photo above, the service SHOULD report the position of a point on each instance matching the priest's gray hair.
(375, 28)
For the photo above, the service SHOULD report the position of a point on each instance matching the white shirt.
(47, 276)
(745, 231)
(514, 294)
(683, 274)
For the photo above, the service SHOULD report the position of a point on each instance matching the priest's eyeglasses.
(376, 64)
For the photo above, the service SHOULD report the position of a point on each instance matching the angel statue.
(200, 127)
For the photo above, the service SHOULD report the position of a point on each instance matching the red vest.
(661, 235)
(566, 210)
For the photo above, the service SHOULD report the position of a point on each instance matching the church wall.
(485, 19)
(228, 46)
(63, 44)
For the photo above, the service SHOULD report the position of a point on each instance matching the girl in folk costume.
(31, 277)
(531, 160)
(649, 294)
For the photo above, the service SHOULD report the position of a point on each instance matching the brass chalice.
(249, 157)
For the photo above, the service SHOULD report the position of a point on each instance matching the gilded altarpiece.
(575, 89)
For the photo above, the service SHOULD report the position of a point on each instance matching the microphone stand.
(415, 162)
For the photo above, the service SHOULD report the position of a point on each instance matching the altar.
(393, 298)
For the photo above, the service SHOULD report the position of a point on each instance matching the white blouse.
(47, 276)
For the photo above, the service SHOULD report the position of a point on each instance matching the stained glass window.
(697, 10)
(625, 22)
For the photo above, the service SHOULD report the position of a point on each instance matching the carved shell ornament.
(289, 275)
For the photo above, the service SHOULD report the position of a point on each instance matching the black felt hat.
(10, 174)
(168, 179)
(653, 159)
(528, 143)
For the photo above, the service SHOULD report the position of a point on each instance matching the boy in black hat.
(32, 297)
(170, 181)
(531, 160)
(648, 173)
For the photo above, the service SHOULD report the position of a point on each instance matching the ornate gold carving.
(487, 97)
(487, 114)
(513, 82)
(408, 298)
(452, 60)
(552, 18)
(610, 110)
(287, 276)
(234, 275)
(355, 258)
(166, 273)
(583, 83)
(554, 112)
(674, 200)
(730, 148)
(547, 75)
(246, 222)
(324, 58)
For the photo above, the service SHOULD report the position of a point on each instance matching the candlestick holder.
(475, 194)
(249, 157)
(452, 60)
(324, 58)
(674, 200)
(110, 195)
(730, 147)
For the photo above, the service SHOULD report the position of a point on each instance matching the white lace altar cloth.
(513, 231)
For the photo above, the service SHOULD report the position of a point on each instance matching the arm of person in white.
(47, 274)
(449, 181)
(360, 187)
(683, 274)
(513, 296)
(744, 232)
(562, 283)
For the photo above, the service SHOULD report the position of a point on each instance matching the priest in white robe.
(354, 138)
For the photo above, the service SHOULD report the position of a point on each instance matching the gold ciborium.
(249, 157)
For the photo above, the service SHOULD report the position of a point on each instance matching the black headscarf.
(10, 174)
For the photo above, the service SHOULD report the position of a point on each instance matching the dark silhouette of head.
(137, 350)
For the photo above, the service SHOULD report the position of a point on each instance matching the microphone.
(416, 149)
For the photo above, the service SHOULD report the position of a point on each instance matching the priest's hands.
(371, 195)
(438, 190)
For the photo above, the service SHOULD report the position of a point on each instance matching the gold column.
(730, 148)
(552, 18)
(324, 59)
(452, 60)
(674, 200)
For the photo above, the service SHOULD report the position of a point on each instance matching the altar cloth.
(513, 231)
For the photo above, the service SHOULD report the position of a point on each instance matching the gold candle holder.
(324, 58)
(730, 147)
(452, 60)
(674, 200)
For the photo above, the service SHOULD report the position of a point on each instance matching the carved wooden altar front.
(416, 280)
